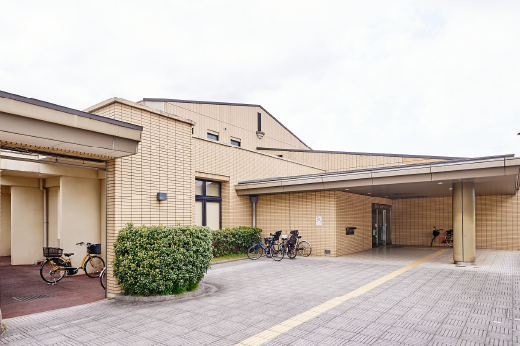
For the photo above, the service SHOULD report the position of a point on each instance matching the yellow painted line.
(279, 329)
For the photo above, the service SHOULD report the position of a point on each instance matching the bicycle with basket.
(58, 264)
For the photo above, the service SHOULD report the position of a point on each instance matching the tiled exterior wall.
(233, 164)
(344, 162)
(338, 210)
(163, 164)
(298, 211)
(497, 221)
(354, 211)
(240, 123)
(413, 219)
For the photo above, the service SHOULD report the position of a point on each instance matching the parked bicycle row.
(289, 246)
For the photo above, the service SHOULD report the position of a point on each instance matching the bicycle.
(289, 245)
(448, 239)
(56, 266)
(303, 246)
(103, 278)
(272, 250)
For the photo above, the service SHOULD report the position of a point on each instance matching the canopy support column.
(464, 243)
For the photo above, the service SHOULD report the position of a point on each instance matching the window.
(212, 136)
(235, 143)
(208, 203)
(259, 122)
(279, 155)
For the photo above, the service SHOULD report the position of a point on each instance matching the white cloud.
(436, 77)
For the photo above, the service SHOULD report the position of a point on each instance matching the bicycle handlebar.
(83, 243)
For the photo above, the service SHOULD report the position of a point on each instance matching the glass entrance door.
(381, 225)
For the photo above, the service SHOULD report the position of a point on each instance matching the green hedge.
(160, 260)
(233, 240)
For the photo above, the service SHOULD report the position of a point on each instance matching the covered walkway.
(23, 292)
(450, 194)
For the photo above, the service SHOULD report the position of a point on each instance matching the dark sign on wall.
(350, 230)
(381, 206)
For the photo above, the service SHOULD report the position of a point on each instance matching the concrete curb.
(229, 260)
(201, 290)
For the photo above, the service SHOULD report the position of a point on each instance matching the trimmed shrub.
(234, 240)
(159, 260)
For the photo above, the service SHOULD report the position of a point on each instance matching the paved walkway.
(434, 303)
(24, 282)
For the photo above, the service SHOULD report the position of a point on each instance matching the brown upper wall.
(334, 161)
(231, 121)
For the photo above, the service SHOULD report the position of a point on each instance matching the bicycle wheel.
(48, 273)
(255, 252)
(433, 239)
(93, 266)
(103, 278)
(268, 251)
(277, 252)
(292, 252)
(304, 248)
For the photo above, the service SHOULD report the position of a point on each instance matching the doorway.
(381, 224)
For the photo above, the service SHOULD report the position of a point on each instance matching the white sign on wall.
(318, 220)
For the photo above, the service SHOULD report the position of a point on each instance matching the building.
(69, 176)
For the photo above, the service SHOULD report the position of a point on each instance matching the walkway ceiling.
(496, 175)
(27, 121)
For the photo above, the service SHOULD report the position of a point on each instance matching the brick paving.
(435, 303)
(25, 281)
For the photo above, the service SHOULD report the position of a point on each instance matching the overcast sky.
(412, 77)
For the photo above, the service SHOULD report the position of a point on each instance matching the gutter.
(45, 222)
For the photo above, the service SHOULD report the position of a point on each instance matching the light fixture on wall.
(161, 196)
(440, 183)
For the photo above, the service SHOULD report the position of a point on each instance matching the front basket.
(95, 249)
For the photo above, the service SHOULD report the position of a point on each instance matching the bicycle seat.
(68, 254)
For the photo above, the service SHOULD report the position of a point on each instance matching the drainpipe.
(44, 213)
(254, 199)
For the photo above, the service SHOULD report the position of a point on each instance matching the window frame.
(236, 141)
(203, 198)
(212, 134)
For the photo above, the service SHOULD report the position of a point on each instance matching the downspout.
(44, 213)
(254, 199)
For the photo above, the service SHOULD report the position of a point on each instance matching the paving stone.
(435, 303)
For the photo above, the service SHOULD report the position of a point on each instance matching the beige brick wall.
(354, 211)
(163, 164)
(338, 210)
(413, 219)
(497, 221)
(238, 122)
(298, 211)
(335, 162)
(229, 164)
